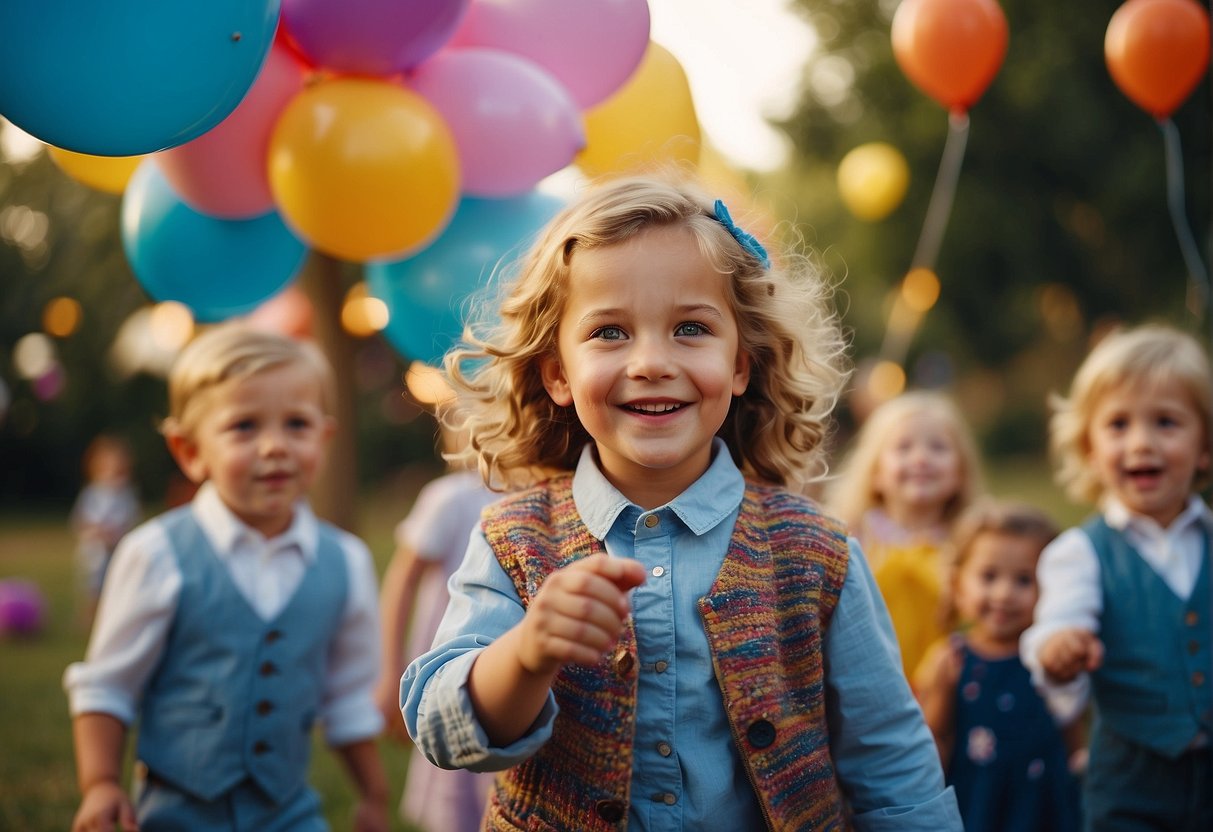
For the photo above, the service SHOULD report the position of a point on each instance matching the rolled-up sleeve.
(434, 699)
(884, 754)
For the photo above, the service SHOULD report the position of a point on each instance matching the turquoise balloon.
(426, 294)
(218, 268)
(129, 77)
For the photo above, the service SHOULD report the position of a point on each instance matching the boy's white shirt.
(1071, 594)
(139, 600)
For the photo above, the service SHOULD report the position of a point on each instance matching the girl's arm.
(99, 740)
(884, 754)
(397, 596)
(577, 614)
(362, 763)
(935, 686)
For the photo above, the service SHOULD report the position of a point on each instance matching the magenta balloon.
(589, 46)
(513, 123)
(222, 173)
(371, 37)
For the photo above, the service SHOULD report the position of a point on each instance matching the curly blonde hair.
(1148, 356)
(853, 493)
(775, 431)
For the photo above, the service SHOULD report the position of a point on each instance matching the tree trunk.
(335, 493)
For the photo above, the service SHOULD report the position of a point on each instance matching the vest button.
(261, 747)
(610, 810)
(623, 661)
(1193, 647)
(668, 798)
(1191, 618)
(1198, 678)
(267, 669)
(661, 667)
(272, 636)
(264, 707)
(664, 749)
(760, 733)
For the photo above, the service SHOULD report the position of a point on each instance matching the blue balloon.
(218, 268)
(132, 77)
(426, 293)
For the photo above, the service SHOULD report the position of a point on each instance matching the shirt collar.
(1118, 516)
(710, 499)
(226, 531)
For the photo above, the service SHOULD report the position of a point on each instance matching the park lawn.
(37, 772)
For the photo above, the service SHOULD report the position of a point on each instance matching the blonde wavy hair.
(853, 493)
(775, 431)
(1148, 357)
(234, 351)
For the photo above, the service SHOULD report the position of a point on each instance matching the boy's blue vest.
(234, 696)
(1155, 687)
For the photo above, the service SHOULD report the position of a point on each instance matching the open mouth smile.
(655, 408)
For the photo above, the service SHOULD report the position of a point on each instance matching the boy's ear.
(185, 452)
(554, 381)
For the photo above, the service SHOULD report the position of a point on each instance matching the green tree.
(1060, 219)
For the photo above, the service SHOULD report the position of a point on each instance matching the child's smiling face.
(1146, 444)
(649, 355)
(260, 441)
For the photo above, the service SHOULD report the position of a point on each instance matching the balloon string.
(903, 320)
(940, 206)
(1198, 279)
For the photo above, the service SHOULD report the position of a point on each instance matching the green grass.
(37, 771)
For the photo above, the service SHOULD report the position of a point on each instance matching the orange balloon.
(1157, 52)
(950, 49)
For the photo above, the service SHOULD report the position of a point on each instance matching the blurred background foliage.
(1059, 228)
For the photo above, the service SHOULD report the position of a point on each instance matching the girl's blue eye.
(608, 333)
(299, 423)
(244, 425)
(690, 328)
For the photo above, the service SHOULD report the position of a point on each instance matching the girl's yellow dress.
(909, 572)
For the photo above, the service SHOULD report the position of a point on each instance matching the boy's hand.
(104, 805)
(371, 816)
(578, 613)
(1069, 652)
(387, 698)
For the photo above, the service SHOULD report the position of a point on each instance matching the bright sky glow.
(743, 60)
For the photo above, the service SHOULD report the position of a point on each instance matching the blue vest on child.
(235, 696)
(1155, 687)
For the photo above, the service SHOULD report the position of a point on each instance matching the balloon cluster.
(241, 133)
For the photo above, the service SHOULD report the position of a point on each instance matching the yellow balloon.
(105, 173)
(649, 120)
(363, 169)
(872, 180)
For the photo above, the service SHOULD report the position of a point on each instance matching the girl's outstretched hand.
(1069, 652)
(578, 613)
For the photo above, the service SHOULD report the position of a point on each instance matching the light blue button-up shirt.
(686, 771)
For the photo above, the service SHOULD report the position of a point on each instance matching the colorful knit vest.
(765, 616)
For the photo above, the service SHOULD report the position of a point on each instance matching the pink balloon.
(371, 37)
(222, 173)
(590, 46)
(513, 123)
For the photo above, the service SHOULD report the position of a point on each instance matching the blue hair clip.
(748, 241)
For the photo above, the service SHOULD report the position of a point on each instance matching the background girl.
(1001, 749)
(659, 631)
(913, 469)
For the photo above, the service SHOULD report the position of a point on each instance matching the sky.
(743, 60)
